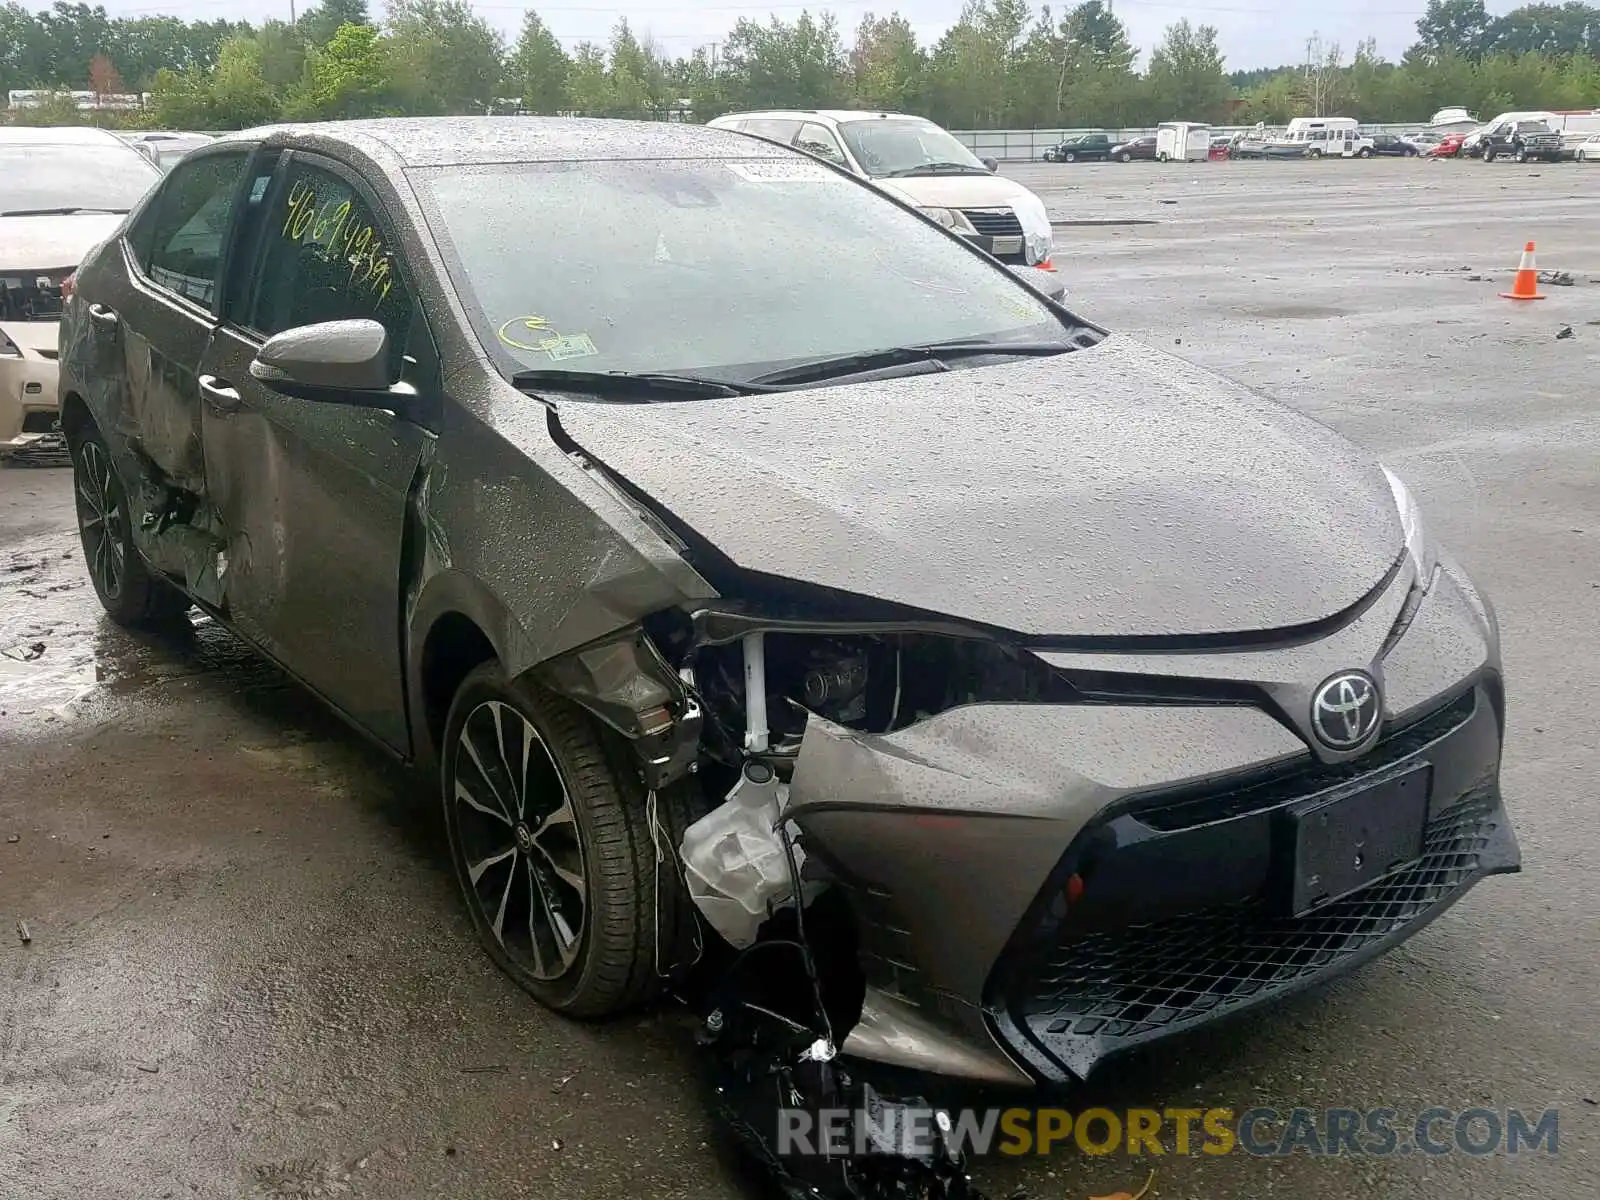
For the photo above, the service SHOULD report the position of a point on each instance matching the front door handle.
(220, 395)
(102, 314)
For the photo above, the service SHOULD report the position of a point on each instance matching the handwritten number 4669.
(331, 228)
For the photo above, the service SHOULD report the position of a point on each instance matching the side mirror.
(1048, 284)
(338, 362)
(992, 163)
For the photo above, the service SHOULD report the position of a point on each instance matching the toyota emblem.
(1346, 710)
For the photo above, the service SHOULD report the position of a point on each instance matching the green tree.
(318, 25)
(1451, 27)
(347, 78)
(887, 67)
(782, 64)
(1186, 79)
(443, 58)
(538, 68)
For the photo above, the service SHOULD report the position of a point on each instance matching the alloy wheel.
(521, 850)
(102, 523)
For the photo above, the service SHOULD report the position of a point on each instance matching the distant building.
(86, 101)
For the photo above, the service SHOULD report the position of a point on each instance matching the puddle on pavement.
(61, 657)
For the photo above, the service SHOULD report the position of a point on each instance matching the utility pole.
(291, 12)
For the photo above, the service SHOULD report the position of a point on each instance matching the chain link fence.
(1029, 145)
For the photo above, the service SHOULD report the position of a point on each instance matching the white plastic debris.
(734, 860)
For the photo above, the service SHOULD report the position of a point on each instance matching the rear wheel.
(128, 590)
(568, 870)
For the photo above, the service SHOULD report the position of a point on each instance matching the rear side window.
(782, 131)
(179, 242)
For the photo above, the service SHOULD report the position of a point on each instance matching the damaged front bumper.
(1022, 921)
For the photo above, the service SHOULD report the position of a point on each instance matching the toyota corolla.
(706, 521)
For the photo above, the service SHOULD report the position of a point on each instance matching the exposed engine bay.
(723, 699)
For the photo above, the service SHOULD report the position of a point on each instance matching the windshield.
(888, 146)
(720, 268)
(54, 177)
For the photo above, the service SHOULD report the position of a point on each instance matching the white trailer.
(1183, 141)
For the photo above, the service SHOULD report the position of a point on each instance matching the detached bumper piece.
(1086, 985)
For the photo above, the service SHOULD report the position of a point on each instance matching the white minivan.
(919, 163)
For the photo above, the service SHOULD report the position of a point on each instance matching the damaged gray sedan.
(755, 563)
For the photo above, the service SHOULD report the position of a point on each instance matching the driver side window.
(326, 258)
(815, 139)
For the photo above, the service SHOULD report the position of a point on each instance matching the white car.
(1589, 149)
(62, 192)
(921, 164)
(165, 147)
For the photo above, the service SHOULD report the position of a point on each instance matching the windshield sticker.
(783, 172)
(339, 234)
(573, 345)
(535, 335)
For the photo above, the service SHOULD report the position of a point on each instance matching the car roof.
(466, 141)
(58, 135)
(839, 116)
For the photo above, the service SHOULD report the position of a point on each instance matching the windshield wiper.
(937, 168)
(941, 353)
(633, 384)
(59, 212)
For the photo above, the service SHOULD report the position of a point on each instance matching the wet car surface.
(309, 1055)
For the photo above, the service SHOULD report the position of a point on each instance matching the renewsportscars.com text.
(1259, 1132)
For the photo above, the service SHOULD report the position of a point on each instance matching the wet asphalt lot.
(249, 975)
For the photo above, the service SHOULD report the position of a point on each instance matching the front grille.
(990, 222)
(1179, 811)
(1102, 992)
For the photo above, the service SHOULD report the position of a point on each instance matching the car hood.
(1109, 492)
(957, 191)
(45, 243)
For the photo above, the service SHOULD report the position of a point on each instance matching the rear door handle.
(102, 314)
(220, 396)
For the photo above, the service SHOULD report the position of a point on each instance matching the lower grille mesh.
(1151, 978)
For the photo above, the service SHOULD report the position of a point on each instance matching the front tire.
(1488, 155)
(1364, 153)
(131, 593)
(1521, 156)
(549, 828)
(1126, 157)
(1069, 156)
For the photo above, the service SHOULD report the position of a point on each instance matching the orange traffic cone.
(1526, 286)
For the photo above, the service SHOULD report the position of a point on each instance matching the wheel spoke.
(483, 773)
(573, 879)
(475, 870)
(517, 783)
(464, 795)
(558, 928)
(500, 914)
(562, 817)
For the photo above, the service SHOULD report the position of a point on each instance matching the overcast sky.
(1253, 33)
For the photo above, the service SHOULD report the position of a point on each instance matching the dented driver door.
(313, 494)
